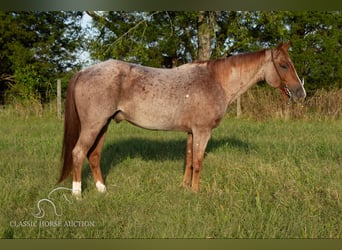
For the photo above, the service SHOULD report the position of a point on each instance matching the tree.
(205, 20)
(167, 39)
(317, 47)
(160, 39)
(35, 49)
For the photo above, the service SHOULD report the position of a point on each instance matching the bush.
(262, 103)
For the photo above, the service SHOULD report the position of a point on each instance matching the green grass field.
(260, 179)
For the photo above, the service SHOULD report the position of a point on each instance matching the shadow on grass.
(155, 149)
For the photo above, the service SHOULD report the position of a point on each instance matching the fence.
(59, 99)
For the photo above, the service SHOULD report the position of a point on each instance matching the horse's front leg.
(200, 141)
(188, 162)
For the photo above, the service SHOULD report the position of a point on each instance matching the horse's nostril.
(300, 93)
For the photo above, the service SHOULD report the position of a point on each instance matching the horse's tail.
(72, 128)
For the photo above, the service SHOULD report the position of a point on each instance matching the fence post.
(238, 107)
(59, 99)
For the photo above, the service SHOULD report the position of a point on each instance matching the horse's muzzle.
(297, 94)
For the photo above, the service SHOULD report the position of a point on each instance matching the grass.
(261, 179)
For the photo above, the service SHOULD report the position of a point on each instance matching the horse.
(191, 98)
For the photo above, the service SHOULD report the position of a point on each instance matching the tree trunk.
(204, 35)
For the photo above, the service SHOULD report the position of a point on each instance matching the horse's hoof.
(101, 187)
(77, 195)
(184, 185)
(195, 189)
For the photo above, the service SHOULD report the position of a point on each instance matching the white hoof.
(77, 190)
(77, 195)
(101, 187)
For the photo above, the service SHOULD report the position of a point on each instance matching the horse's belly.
(181, 112)
(154, 118)
(155, 121)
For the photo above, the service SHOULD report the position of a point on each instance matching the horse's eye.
(283, 66)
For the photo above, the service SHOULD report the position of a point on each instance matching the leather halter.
(283, 82)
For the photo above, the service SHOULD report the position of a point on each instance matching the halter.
(283, 82)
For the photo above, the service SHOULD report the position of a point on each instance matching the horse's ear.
(284, 46)
(287, 45)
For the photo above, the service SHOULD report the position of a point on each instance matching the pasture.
(260, 179)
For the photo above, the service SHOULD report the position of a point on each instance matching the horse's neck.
(242, 73)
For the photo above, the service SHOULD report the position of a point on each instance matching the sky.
(84, 56)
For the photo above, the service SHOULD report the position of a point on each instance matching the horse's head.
(281, 73)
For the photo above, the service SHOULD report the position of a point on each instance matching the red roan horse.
(192, 98)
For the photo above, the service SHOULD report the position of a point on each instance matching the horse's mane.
(234, 59)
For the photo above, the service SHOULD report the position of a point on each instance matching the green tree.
(166, 38)
(35, 49)
(160, 39)
(317, 44)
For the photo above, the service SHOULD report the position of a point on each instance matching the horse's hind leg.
(94, 158)
(85, 142)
